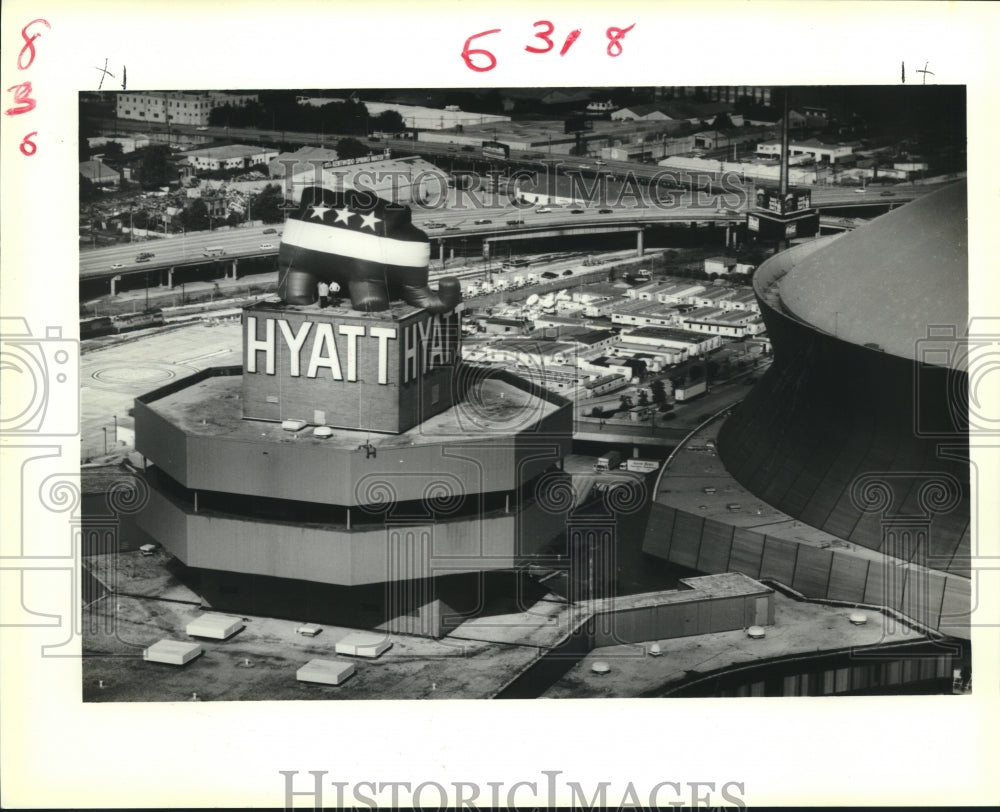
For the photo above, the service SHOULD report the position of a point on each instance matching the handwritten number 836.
(614, 48)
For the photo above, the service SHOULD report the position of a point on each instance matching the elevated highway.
(457, 220)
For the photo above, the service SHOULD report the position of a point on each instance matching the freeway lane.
(177, 250)
(458, 218)
(240, 242)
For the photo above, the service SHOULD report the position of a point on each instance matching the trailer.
(689, 392)
(641, 466)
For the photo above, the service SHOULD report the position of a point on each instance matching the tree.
(659, 392)
(155, 168)
(195, 216)
(267, 205)
(389, 121)
(88, 191)
(351, 148)
(625, 402)
(597, 411)
(113, 152)
(643, 398)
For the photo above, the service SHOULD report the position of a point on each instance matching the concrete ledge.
(360, 644)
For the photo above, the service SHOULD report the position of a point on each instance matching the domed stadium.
(861, 420)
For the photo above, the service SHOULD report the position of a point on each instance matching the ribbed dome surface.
(887, 282)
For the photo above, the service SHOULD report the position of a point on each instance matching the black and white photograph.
(369, 372)
(528, 392)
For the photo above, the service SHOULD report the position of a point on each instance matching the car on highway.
(584, 166)
(267, 245)
(514, 223)
(576, 211)
(543, 210)
(433, 225)
(202, 129)
(604, 211)
(887, 194)
(117, 265)
(482, 221)
(599, 162)
(550, 275)
(568, 272)
(859, 191)
(141, 258)
(451, 228)
(270, 231)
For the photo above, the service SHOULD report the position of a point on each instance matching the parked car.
(550, 275)
(567, 272)
(270, 231)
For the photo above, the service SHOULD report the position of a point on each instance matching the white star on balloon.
(319, 211)
(344, 215)
(370, 220)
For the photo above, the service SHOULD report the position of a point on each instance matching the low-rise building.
(301, 160)
(129, 143)
(656, 357)
(811, 148)
(713, 297)
(678, 292)
(693, 344)
(644, 312)
(729, 323)
(722, 266)
(499, 325)
(742, 299)
(232, 156)
(99, 173)
(604, 384)
(176, 108)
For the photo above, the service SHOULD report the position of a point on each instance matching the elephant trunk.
(442, 300)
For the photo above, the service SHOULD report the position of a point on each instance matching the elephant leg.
(298, 288)
(368, 295)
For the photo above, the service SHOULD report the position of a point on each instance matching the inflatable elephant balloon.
(366, 245)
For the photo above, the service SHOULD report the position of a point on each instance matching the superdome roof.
(887, 282)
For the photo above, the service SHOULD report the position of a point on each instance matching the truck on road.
(609, 462)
